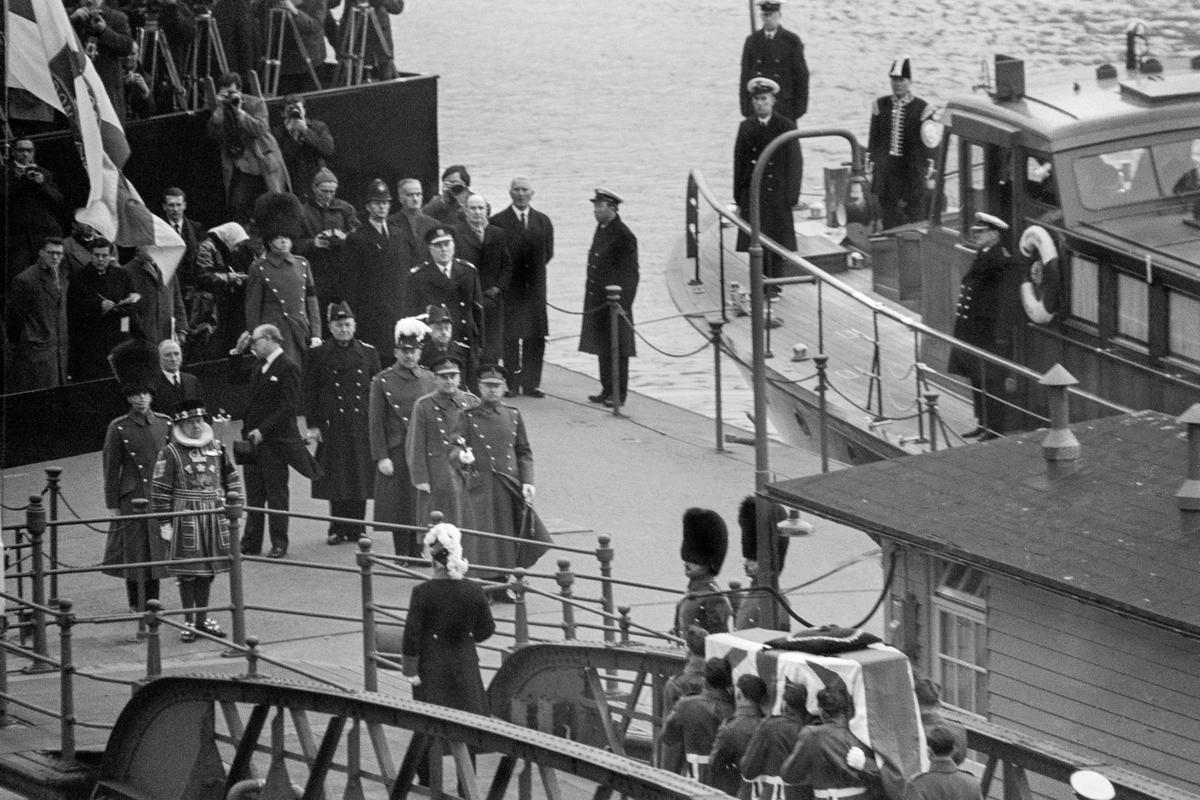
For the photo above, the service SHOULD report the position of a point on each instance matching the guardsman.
(898, 159)
(734, 735)
(705, 542)
(393, 393)
(773, 741)
(829, 758)
(337, 382)
(754, 604)
(430, 430)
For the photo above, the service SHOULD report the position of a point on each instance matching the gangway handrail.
(878, 307)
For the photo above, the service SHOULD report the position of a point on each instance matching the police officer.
(449, 281)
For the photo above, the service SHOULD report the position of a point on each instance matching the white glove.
(314, 341)
(528, 491)
(166, 531)
(856, 759)
(466, 457)
(386, 467)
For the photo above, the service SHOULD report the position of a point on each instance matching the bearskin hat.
(135, 364)
(747, 521)
(705, 538)
(277, 214)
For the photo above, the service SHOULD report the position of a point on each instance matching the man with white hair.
(487, 247)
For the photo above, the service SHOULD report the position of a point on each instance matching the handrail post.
(624, 612)
(721, 268)
(237, 591)
(153, 639)
(53, 488)
(736, 598)
(604, 554)
(614, 342)
(692, 224)
(919, 377)
(252, 657)
(520, 612)
(714, 326)
(566, 579)
(140, 506)
(66, 620)
(370, 634)
(931, 399)
(35, 523)
(822, 361)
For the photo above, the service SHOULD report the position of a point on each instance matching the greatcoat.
(390, 406)
(280, 291)
(130, 450)
(532, 247)
(430, 431)
(337, 381)
(612, 260)
(780, 187)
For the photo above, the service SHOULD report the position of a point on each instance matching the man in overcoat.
(35, 317)
(159, 312)
(898, 159)
(449, 281)
(774, 52)
(373, 272)
(944, 780)
(486, 246)
(325, 222)
(780, 187)
(171, 384)
(531, 244)
(394, 391)
(412, 222)
(251, 162)
(337, 383)
(612, 261)
(430, 432)
(442, 342)
(98, 301)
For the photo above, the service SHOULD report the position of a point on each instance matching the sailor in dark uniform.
(898, 157)
(774, 52)
(705, 541)
(449, 281)
(337, 379)
(978, 320)
(442, 342)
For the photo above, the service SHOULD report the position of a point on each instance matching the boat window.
(1183, 315)
(960, 638)
(1085, 289)
(1178, 165)
(951, 198)
(1133, 308)
(1116, 179)
(1040, 181)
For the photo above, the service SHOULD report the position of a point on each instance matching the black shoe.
(510, 393)
(598, 398)
(971, 434)
(534, 393)
(247, 550)
(277, 552)
(987, 436)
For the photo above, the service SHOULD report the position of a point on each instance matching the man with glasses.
(430, 430)
(449, 281)
(36, 320)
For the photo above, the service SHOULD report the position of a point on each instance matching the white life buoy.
(1037, 240)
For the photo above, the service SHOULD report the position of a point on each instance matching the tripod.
(360, 24)
(156, 58)
(279, 24)
(205, 58)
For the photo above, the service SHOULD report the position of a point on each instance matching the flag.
(46, 59)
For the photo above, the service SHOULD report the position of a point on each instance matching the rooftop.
(1104, 529)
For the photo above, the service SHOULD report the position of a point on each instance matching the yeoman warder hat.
(606, 196)
(438, 234)
(705, 538)
(188, 409)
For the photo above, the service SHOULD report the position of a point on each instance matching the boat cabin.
(1108, 168)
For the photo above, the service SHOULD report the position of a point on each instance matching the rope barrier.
(621, 313)
(25, 507)
(63, 496)
(839, 393)
(583, 313)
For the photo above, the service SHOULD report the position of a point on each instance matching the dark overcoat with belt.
(427, 285)
(390, 406)
(131, 448)
(36, 320)
(430, 431)
(337, 383)
(780, 187)
(612, 260)
(373, 284)
(280, 291)
(782, 60)
(531, 247)
(493, 261)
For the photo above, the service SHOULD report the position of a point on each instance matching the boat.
(1097, 175)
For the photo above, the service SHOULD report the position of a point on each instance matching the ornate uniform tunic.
(130, 449)
(337, 381)
(392, 395)
(195, 476)
(430, 432)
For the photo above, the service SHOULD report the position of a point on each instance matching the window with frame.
(1183, 325)
(1133, 308)
(1085, 289)
(960, 648)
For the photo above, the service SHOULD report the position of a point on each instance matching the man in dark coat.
(275, 440)
(828, 756)
(774, 52)
(105, 35)
(33, 205)
(531, 244)
(393, 393)
(979, 319)
(173, 386)
(897, 157)
(612, 261)
(305, 142)
(694, 721)
(325, 222)
(251, 162)
(35, 320)
(159, 313)
(174, 205)
(486, 246)
(99, 299)
(449, 281)
(374, 274)
(441, 343)
(337, 381)
(774, 740)
(944, 780)
(734, 735)
(412, 222)
(780, 187)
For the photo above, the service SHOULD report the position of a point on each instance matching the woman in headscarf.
(216, 309)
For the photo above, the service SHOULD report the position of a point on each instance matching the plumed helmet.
(747, 521)
(409, 332)
(135, 363)
(705, 538)
(277, 214)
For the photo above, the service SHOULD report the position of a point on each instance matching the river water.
(632, 95)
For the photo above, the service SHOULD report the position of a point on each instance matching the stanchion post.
(822, 361)
(251, 656)
(35, 523)
(624, 612)
(931, 399)
(520, 612)
(604, 554)
(714, 326)
(370, 634)
(237, 590)
(141, 506)
(153, 639)
(53, 487)
(566, 580)
(614, 343)
(5, 719)
(66, 621)
(736, 598)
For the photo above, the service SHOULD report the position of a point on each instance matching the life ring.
(1039, 296)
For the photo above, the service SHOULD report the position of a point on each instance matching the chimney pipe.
(1188, 496)
(1060, 444)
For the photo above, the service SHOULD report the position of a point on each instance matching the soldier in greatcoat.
(449, 281)
(692, 725)
(337, 381)
(130, 449)
(612, 261)
(780, 187)
(774, 740)
(491, 445)
(394, 391)
(705, 542)
(280, 290)
(427, 449)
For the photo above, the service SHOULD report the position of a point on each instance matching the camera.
(293, 113)
(457, 188)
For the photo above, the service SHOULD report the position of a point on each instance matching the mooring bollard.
(251, 656)
(370, 633)
(624, 612)
(566, 581)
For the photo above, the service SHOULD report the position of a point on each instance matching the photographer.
(382, 65)
(175, 18)
(448, 207)
(105, 35)
(139, 100)
(304, 142)
(325, 222)
(34, 204)
(308, 16)
(251, 162)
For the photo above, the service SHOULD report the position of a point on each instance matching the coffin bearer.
(692, 725)
(194, 473)
(492, 449)
(337, 382)
(427, 449)
(780, 187)
(705, 542)
(130, 449)
(776, 53)
(898, 159)
(734, 735)
(393, 393)
(829, 758)
(773, 741)
(612, 261)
